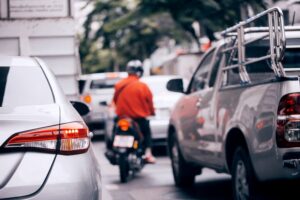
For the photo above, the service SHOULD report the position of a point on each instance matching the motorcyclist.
(134, 99)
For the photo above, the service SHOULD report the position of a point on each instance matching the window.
(232, 76)
(81, 84)
(261, 71)
(291, 54)
(21, 86)
(104, 83)
(200, 77)
(291, 58)
(215, 68)
(258, 71)
(3, 79)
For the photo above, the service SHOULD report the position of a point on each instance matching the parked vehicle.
(127, 148)
(240, 113)
(97, 92)
(164, 102)
(45, 149)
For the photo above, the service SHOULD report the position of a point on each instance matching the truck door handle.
(198, 104)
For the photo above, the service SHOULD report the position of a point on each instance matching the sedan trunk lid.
(20, 175)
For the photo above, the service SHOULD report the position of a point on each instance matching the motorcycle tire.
(124, 168)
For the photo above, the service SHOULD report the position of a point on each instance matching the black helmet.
(135, 67)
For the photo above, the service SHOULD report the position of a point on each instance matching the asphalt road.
(155, 182)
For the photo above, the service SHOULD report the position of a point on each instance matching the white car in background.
(97, 91)
(164, 102)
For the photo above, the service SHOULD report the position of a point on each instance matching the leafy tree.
(124, 33)
(129, 32)
(213, 15)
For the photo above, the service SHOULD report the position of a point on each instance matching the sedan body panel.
(31, 99)
(69, 182)
(26, 179)
(17, 174)
(25, 118)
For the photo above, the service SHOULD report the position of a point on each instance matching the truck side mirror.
(81, 107)
(175, 85)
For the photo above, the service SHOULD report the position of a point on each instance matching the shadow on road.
(215, 189)
(97, 138)
(156, 181)
(221, 190)
(160, 151)
(279, 190)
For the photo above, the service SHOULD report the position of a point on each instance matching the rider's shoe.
(150, 159)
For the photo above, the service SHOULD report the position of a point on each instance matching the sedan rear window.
(21, 86)
(291, 58)
(104, 83)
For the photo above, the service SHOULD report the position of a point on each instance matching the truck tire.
(243, 178)
(123, 168)
(183, 173)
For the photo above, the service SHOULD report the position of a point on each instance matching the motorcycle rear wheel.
(124, 168)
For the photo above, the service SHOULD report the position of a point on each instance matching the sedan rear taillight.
(288, 121)
(70, 138)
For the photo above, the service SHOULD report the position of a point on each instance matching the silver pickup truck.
(241, 112)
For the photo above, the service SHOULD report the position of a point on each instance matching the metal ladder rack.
(275, 32)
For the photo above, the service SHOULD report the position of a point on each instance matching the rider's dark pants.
(144, 125)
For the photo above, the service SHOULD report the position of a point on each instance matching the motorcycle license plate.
(123, 141)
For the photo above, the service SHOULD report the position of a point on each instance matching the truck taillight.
(288, 121)
(70, 138)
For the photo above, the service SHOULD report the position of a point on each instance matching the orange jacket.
(133, 98)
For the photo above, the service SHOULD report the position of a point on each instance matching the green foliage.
(126, 32)
(213, 15)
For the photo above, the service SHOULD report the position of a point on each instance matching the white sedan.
(164, 101)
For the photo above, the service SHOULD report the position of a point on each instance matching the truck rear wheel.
(243, 177)
(183, 173)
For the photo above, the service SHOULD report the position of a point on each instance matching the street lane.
(156, 182)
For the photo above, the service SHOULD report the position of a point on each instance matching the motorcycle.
(127, 149)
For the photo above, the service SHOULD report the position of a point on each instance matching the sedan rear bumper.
(69, 182)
